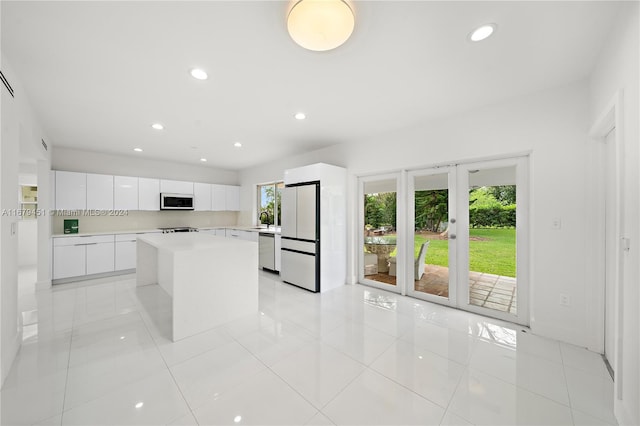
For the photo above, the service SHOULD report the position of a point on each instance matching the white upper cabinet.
(99, 192)
(202, 196)
(218, 197)
(232, 195)
(125, 196)
(71, 191)
(148, 194)
(176, 187)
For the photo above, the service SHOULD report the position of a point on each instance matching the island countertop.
(211, 280)
(181, 241)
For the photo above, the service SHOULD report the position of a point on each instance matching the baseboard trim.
(92, 276)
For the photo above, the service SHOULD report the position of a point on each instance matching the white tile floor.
(99, 353)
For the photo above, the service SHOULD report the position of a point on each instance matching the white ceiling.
(100, 73)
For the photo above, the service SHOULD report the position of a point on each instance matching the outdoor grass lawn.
(495, 253)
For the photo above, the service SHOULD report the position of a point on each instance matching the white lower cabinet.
(68, 261)
(220, 232)
(78, 256)
(125, 253)
(100, 257)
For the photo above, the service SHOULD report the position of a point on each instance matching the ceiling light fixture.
(320, 25)
(199, 74)
(137, 149)
(482, 32)
(237, 144)
(300, 116)
(157, 126)
(204, 160)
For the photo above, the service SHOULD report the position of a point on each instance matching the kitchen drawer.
(304, 246)
(126, 237)
(75, 241)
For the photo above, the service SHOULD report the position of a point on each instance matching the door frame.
(611, 118)
(400, 178)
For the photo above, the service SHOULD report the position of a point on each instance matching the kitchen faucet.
(260, 217)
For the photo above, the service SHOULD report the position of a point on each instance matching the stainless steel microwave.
(176, 201)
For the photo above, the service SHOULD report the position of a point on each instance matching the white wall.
(76, 160)
(27, 243)
(553, 126)
(20, 129)
(617, 69)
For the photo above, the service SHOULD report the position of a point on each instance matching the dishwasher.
(267, 251)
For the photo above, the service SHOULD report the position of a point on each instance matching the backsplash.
(144, 220)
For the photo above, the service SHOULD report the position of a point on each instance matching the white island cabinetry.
(211, 280)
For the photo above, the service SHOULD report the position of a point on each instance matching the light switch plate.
(556, 223)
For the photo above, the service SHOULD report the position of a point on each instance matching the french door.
(467, 242)
(381, 240)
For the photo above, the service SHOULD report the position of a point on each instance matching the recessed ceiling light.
(157, 126)
(204, 160)
(482, 32)
(237, 144)
(137, 149)
(199, 74)
(139, 404)
(300, 116)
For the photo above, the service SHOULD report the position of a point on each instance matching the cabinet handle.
(86, 244)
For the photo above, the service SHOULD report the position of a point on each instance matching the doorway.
(610, 248)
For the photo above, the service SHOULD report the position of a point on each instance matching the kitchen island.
(211, 280)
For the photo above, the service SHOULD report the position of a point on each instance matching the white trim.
(610, 118)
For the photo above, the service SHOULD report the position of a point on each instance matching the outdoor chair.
(418, 262)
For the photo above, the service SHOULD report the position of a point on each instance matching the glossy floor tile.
(100, 352)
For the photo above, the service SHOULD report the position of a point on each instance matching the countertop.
(272, 230)
(189, 241)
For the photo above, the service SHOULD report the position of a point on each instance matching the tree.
(431, 209)
(505, 194)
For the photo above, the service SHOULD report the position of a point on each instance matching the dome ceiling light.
(320, 25)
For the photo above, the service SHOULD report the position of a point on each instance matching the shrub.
(492, 216)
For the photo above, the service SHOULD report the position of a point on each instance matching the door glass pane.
(492, 239)
(431, 237)
(380, 210)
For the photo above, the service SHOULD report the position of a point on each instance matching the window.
(269, 196)
(28, 201)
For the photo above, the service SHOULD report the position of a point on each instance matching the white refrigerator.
(300, 233)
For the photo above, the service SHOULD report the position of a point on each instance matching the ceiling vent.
(6, 84)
